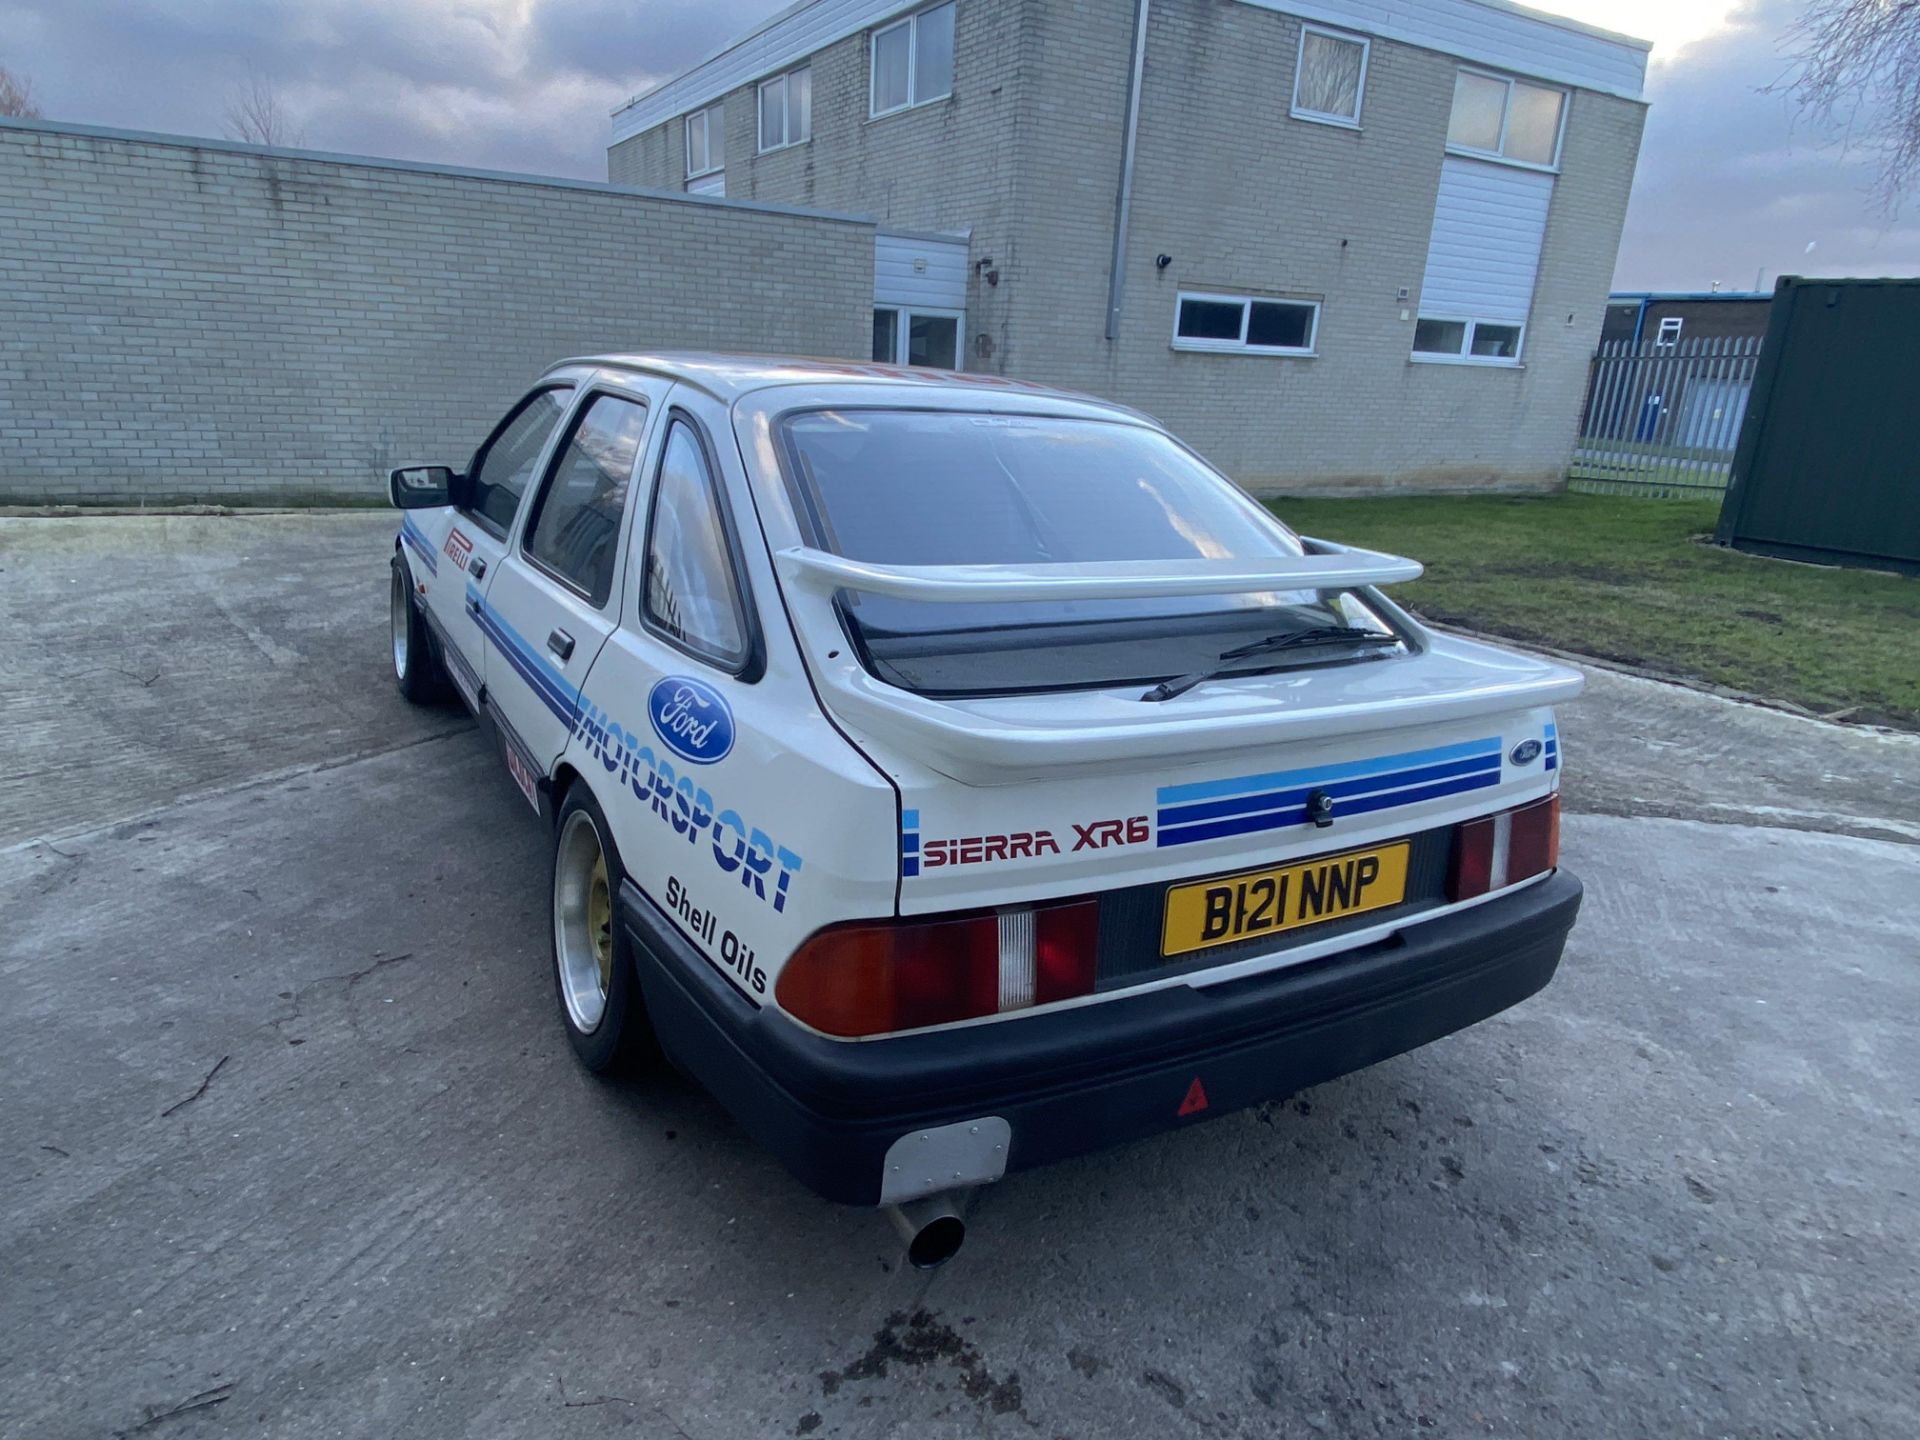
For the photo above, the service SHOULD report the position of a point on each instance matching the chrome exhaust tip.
(931, 1228)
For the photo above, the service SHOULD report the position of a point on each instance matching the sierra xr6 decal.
(766, 868)
(918, 853)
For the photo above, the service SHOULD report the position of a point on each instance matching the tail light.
(1500, 850)
(873, 977)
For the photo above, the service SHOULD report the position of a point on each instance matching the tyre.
(593, 972)
(416, 669)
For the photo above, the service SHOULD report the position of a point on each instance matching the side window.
(505, 463)
(575, 527)
(691, 593)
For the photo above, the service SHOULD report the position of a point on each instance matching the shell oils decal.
(691, 718)
(764, 866)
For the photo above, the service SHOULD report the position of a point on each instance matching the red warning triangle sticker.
(1196, 1100)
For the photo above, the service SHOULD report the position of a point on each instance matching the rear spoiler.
(1325, 567)
(1001, 740)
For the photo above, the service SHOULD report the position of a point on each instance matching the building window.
(1479, 342)
(1245, 323)
(1330, 78)
(913, 60)
(1506, 119)
(1669, 331)
(903, 336)
(706, 142)
(786, 109)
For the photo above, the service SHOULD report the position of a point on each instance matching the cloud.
(1728, 184)
(500, 84)
(1733, 184)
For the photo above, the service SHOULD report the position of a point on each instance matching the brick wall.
(1244, 198)
(951, 165)
(184, 320)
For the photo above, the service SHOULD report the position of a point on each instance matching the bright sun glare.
(1670, 24)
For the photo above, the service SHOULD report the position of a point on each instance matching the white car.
(953, 775)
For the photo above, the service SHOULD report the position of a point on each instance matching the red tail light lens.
(1500, 850)
(876, 977)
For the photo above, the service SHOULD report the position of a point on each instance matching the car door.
(469, 541)
(554, 596)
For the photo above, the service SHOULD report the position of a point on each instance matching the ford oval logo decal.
(1525, 753)
(692, 718)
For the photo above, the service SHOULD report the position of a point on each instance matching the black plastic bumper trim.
(1075, 1080)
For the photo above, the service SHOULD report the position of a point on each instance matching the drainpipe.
(1123, 203)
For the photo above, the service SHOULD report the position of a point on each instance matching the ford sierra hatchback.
(955, 775)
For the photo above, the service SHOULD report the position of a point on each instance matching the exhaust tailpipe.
(931, 1228)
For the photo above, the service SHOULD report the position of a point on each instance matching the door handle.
(561, 644)
(476, 567)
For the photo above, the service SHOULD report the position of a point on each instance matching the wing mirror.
(423, 487)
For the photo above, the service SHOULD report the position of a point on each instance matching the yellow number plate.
(1287, 897)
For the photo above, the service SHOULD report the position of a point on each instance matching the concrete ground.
(291, 1143)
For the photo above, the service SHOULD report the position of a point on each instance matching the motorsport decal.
(1248, 804)
(1553, 747)
(459, 548)
(734, 952)
(919, 853)
(765, 867)
(692, 718)
(416, 541)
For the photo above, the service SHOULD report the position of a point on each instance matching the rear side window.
(505, 464)
(691, 593)
(575, 528)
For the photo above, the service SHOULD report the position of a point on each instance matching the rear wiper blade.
(1287, 640)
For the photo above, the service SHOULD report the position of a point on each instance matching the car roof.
(729, 377)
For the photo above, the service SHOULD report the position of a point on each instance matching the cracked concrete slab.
(1675, 1194)
(149, 658)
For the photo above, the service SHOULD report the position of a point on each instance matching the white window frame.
(707, 116)
(1320, 117)
(904, 317)
(1499, 157)
(1246, 304)
(1669, 331)
(1465, 355)
(913, 101)
(783, 80)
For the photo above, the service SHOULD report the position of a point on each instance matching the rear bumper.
(1076, 1080)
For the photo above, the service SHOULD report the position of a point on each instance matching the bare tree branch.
(16, 96)
(256, 114)
(1858, 68)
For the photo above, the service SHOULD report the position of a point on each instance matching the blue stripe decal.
(508, 637)
(1288, 779)
(909, 842)
(1275, 799)
(552, 687)
(1297, 814)
(417, 542)
(561, 709)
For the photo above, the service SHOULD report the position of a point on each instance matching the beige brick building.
(1358, 242)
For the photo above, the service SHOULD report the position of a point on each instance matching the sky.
(1731, 188)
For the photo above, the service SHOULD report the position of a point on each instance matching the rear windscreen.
(940, 488)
